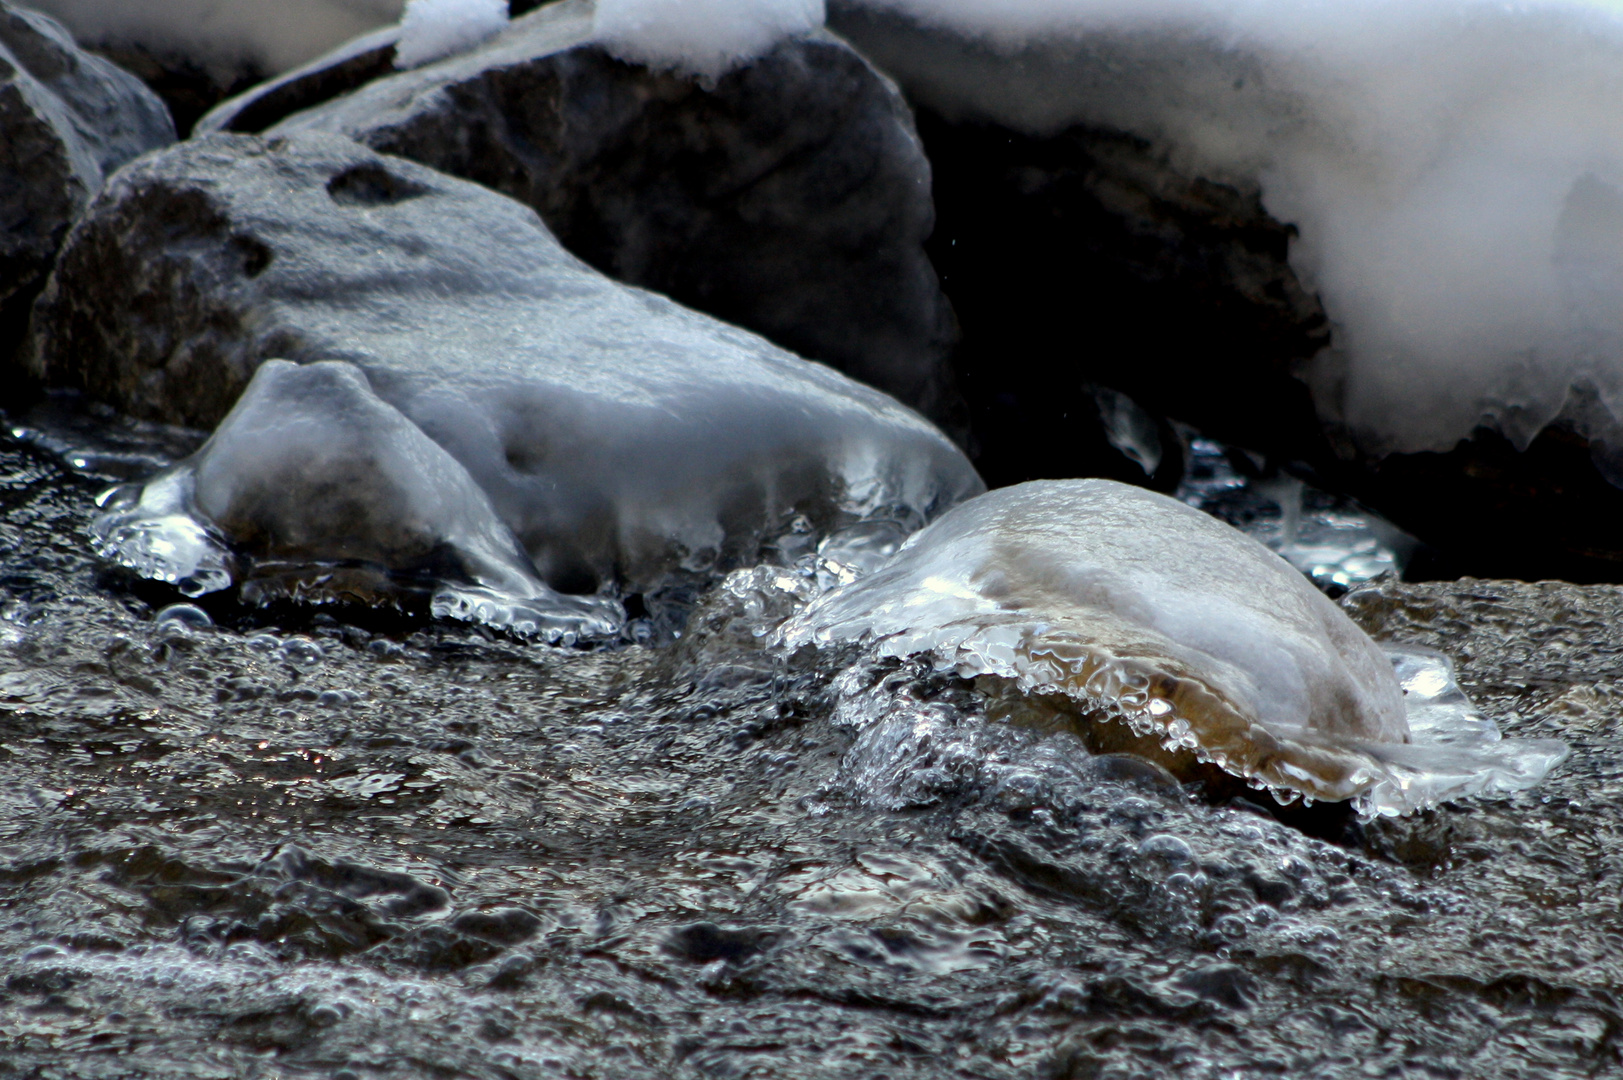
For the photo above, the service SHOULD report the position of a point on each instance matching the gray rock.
(619, 436)
(67, 119)
(1076, 255)
(348, 67)
(792, 197)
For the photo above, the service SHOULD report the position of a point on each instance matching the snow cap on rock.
(433, 29)
(707, 38)
(1454, 168)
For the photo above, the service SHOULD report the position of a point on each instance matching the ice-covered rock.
(1122, 607)
(334, 495)
(790, 196)
(67, 119)
(621, 438)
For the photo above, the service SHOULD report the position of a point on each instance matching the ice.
(707, 38)
(1455, 168)
(332, 494)
(628, 444)
(432, 29)
(1128, 607)
(1332, 539)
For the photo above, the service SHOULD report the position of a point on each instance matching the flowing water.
(302, 842)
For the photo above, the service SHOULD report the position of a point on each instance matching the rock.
(197, 53)
(621, 438)
(348, 67)
(67, 119)
(1084, 255)
(791, 197)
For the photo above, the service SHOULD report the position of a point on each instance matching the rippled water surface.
(329, 845)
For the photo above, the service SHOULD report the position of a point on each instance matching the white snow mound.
(706, 38)
(1455, 168)
(433, 29)
(1143, 611)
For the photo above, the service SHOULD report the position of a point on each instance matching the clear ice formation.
(1336, 542)
(1127, 606)
(626, 443)
(335, 495)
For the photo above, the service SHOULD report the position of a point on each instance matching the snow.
(1455, 168)
(433, 29)
(706, 38)
(1179, 626)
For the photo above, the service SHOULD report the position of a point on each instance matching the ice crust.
(432, 29)
(1455, 168)
(625, 442)
(707, 38)
(1144, 611)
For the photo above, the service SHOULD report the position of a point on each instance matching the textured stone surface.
(67, 119)
(792, 197)
(617, 434)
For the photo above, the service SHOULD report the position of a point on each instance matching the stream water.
(298, 842)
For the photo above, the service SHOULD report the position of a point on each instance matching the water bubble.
(183, 619)
(301, 650)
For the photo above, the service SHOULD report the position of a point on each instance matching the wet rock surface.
(298, 845)
(67, 120)
(791, 197)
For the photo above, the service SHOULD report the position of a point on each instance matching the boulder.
(196, 53)
(790, 196)
(67, 120)
(1152, 205)
(621, 438)
(348, 67)
(1079, 255)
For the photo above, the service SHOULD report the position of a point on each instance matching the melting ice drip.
(1135, 609)
(1330, 538)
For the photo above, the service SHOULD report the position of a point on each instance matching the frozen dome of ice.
(336, 496)
(701, 37)
(1127, 606)
(1455, 168)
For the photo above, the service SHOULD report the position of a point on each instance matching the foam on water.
(1115, 604)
